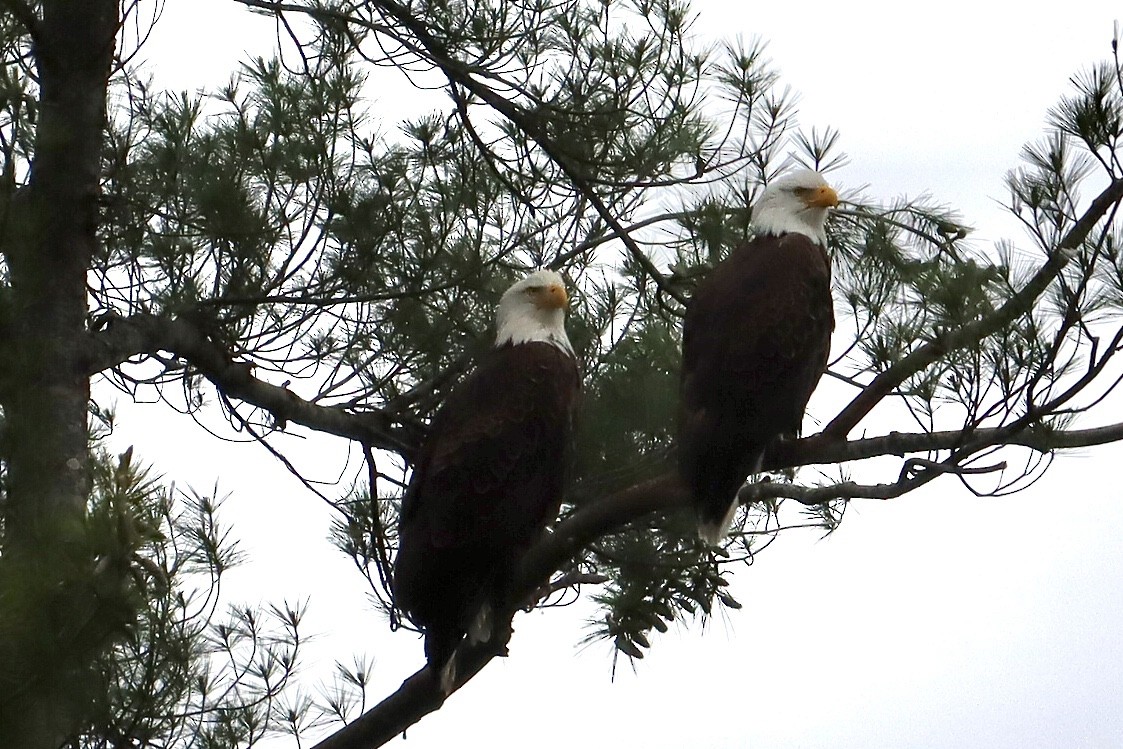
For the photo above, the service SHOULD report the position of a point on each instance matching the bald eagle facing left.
(755, 342)
(490, 476)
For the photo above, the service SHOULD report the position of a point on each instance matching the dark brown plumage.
(486, 483)
(755, 342)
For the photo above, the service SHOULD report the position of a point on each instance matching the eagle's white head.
(797, 202)
(534, 310)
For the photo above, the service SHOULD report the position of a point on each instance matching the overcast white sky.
(936, 620)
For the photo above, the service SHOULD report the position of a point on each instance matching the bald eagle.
(755, 342)
(490, 475)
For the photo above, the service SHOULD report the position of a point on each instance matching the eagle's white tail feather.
(480, 630)
(448, 676)
(714, 533)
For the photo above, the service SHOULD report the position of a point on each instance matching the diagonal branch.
(420, 694)
(968, 335)
(122, 338)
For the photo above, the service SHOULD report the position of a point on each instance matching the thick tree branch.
(420, 694)
(968, 335)
(123, 338)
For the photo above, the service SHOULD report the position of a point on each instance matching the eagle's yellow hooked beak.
(821, 197)
(551, 297)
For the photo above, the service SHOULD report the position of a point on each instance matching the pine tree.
(286, 250)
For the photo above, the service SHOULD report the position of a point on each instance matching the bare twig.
(568, 580)
(911, 466)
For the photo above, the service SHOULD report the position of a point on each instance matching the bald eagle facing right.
(756, 338)
(490, 476)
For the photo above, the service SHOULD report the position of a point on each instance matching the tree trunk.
(45, 394)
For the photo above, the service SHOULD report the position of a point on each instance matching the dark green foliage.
(630, 400)
(1093, 114)
(175, 672)
(347, 242)
(659, 576)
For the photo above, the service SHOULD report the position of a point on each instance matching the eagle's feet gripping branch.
(472, 654)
